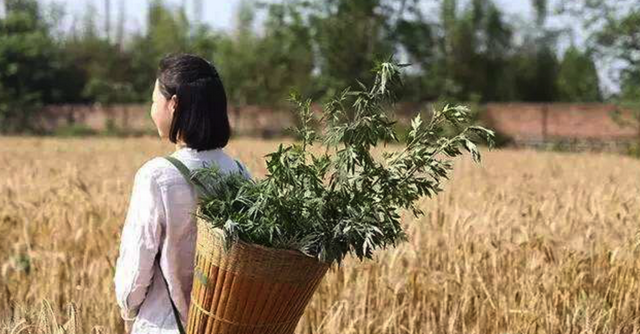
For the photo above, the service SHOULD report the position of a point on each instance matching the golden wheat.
(529, 242)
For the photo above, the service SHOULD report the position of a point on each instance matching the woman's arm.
(140, 240)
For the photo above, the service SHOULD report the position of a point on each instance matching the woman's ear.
(173, 103)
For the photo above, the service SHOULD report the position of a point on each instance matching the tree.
(621, 38)
(287, 49)
(613, 27)
(349, 36)
(534, 65)
(28, 65)
(168, 31)
(578, 78)
(419, 40)
(262, 69)
(473, 50)
(535, 68)
(105, 66)
(237, 60)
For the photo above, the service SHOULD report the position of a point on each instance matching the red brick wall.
(547, 122)
(96, 117)
(524, 122)
(246, 120)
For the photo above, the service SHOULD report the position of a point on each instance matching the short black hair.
(200, 118)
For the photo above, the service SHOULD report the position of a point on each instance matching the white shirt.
(159, 222)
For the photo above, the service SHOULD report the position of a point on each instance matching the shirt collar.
(191, 153)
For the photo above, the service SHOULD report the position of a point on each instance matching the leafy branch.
(332, 205)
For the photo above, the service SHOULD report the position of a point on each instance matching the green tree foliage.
(101, 66)
(475, 55)
(29, 65)
(470, 54)
(614, 32)
(535, 62)
(622, 37)
(613, 27)
(119, 72)
(535, 71)
(578, 78)
(262, 68)
(349, 35)
(460, 50)
(168, 29)
(631, 85)
(237, 58)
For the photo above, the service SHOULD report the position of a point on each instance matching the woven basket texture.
(250, 288)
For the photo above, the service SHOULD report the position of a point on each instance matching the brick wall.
(528, 123)
(249, 120)
(525, 123)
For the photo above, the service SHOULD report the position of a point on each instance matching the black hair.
(200, 118)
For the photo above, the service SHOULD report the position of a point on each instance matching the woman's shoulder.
(160, 170)
(233, 164)
(165, 174)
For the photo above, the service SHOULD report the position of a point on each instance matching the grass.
(551, 249)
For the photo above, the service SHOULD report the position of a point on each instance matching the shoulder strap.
(184, 170)
(240, 166)
(186, 173)
(176, 313)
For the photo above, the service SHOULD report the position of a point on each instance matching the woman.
(190, 109)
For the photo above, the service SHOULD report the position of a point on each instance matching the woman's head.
(190, 104)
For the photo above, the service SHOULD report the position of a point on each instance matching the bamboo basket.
(251, 288)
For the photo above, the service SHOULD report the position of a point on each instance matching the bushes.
(74, 130)
(110, 130)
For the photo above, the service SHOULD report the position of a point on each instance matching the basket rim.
(257, 247)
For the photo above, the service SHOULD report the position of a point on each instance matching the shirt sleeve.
(140, 240)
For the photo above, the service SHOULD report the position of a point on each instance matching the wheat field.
(528, 242)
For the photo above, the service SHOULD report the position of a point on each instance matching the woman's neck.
(180, 145)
